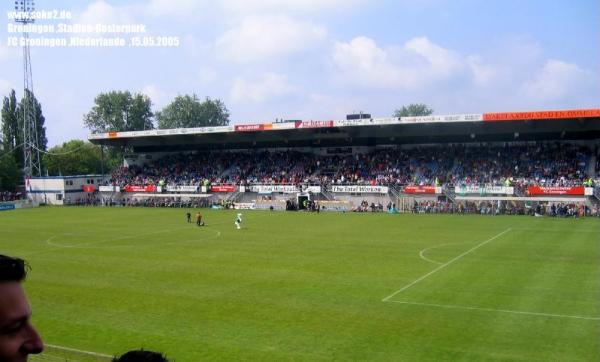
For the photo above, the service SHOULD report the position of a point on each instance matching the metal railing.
(448, 191)
(328, 195)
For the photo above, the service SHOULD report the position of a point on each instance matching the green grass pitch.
(309, 287)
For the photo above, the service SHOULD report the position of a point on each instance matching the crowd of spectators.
(138, 202)
(364, 206)
(561, 209)
(10, 196)
(544, 164)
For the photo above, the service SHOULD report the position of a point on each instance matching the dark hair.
(141, 356)
(12, 269)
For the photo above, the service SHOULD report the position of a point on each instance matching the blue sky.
(321, 59)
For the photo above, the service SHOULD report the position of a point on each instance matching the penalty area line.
(445, 265)
(448, 306)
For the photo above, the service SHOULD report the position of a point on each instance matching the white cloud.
(178, 8)
(259, 38)
(556, 80)
(5, 87)
(9, 52)
(100, 12)
(326, 106)
(158, 96)
(207, 75)
(296, 6)
(483, 74)
(228, 10)
(418, 63)
(362, 62)
(435, 61)
(268, 86)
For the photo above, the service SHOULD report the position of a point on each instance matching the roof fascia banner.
(541, 115)
(314, 124)
(253, 127)
(449, 118)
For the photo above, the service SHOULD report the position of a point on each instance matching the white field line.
(422, 255)
(422, 252)
(445, 265)
(77, 351)
(498, 310)
(91, 244)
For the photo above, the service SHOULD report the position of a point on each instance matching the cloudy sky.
(318, 59)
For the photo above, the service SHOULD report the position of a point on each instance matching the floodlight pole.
(31, 153)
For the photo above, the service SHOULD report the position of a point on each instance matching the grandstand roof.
(579, 124)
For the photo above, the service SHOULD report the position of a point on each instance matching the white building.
(54, 190)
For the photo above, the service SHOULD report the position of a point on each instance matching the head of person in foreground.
(18, 337)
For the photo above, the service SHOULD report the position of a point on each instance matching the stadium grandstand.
(543, 162)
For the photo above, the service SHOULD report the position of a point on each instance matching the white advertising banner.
(284, 125)
(365, 122)
(449, 118)
(267, 189)
(353, 122)
(493, 190)
(162, 132)
(588, 191)
(389, 120)
(360, 189)
(109, 188)
(182, 188)
(313, 189)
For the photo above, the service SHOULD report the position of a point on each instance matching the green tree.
(11, 133)
(9, 172)
(40, 123)
(12, 125)
(120, 111)
(187, 111)
(41, 141)
(74, 157)
(413, 109)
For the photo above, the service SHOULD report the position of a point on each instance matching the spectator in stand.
(10, 196)
(544, 164)
(18, 337)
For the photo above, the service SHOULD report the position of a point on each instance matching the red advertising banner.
(516, 116)
(314, 124)
(222, 188)
(540, 190)
(88, 188)
(147, 188)
(419, 189)
(253, 127)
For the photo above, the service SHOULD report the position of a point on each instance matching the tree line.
(13, 139)
(123, 111)
(112, 111)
